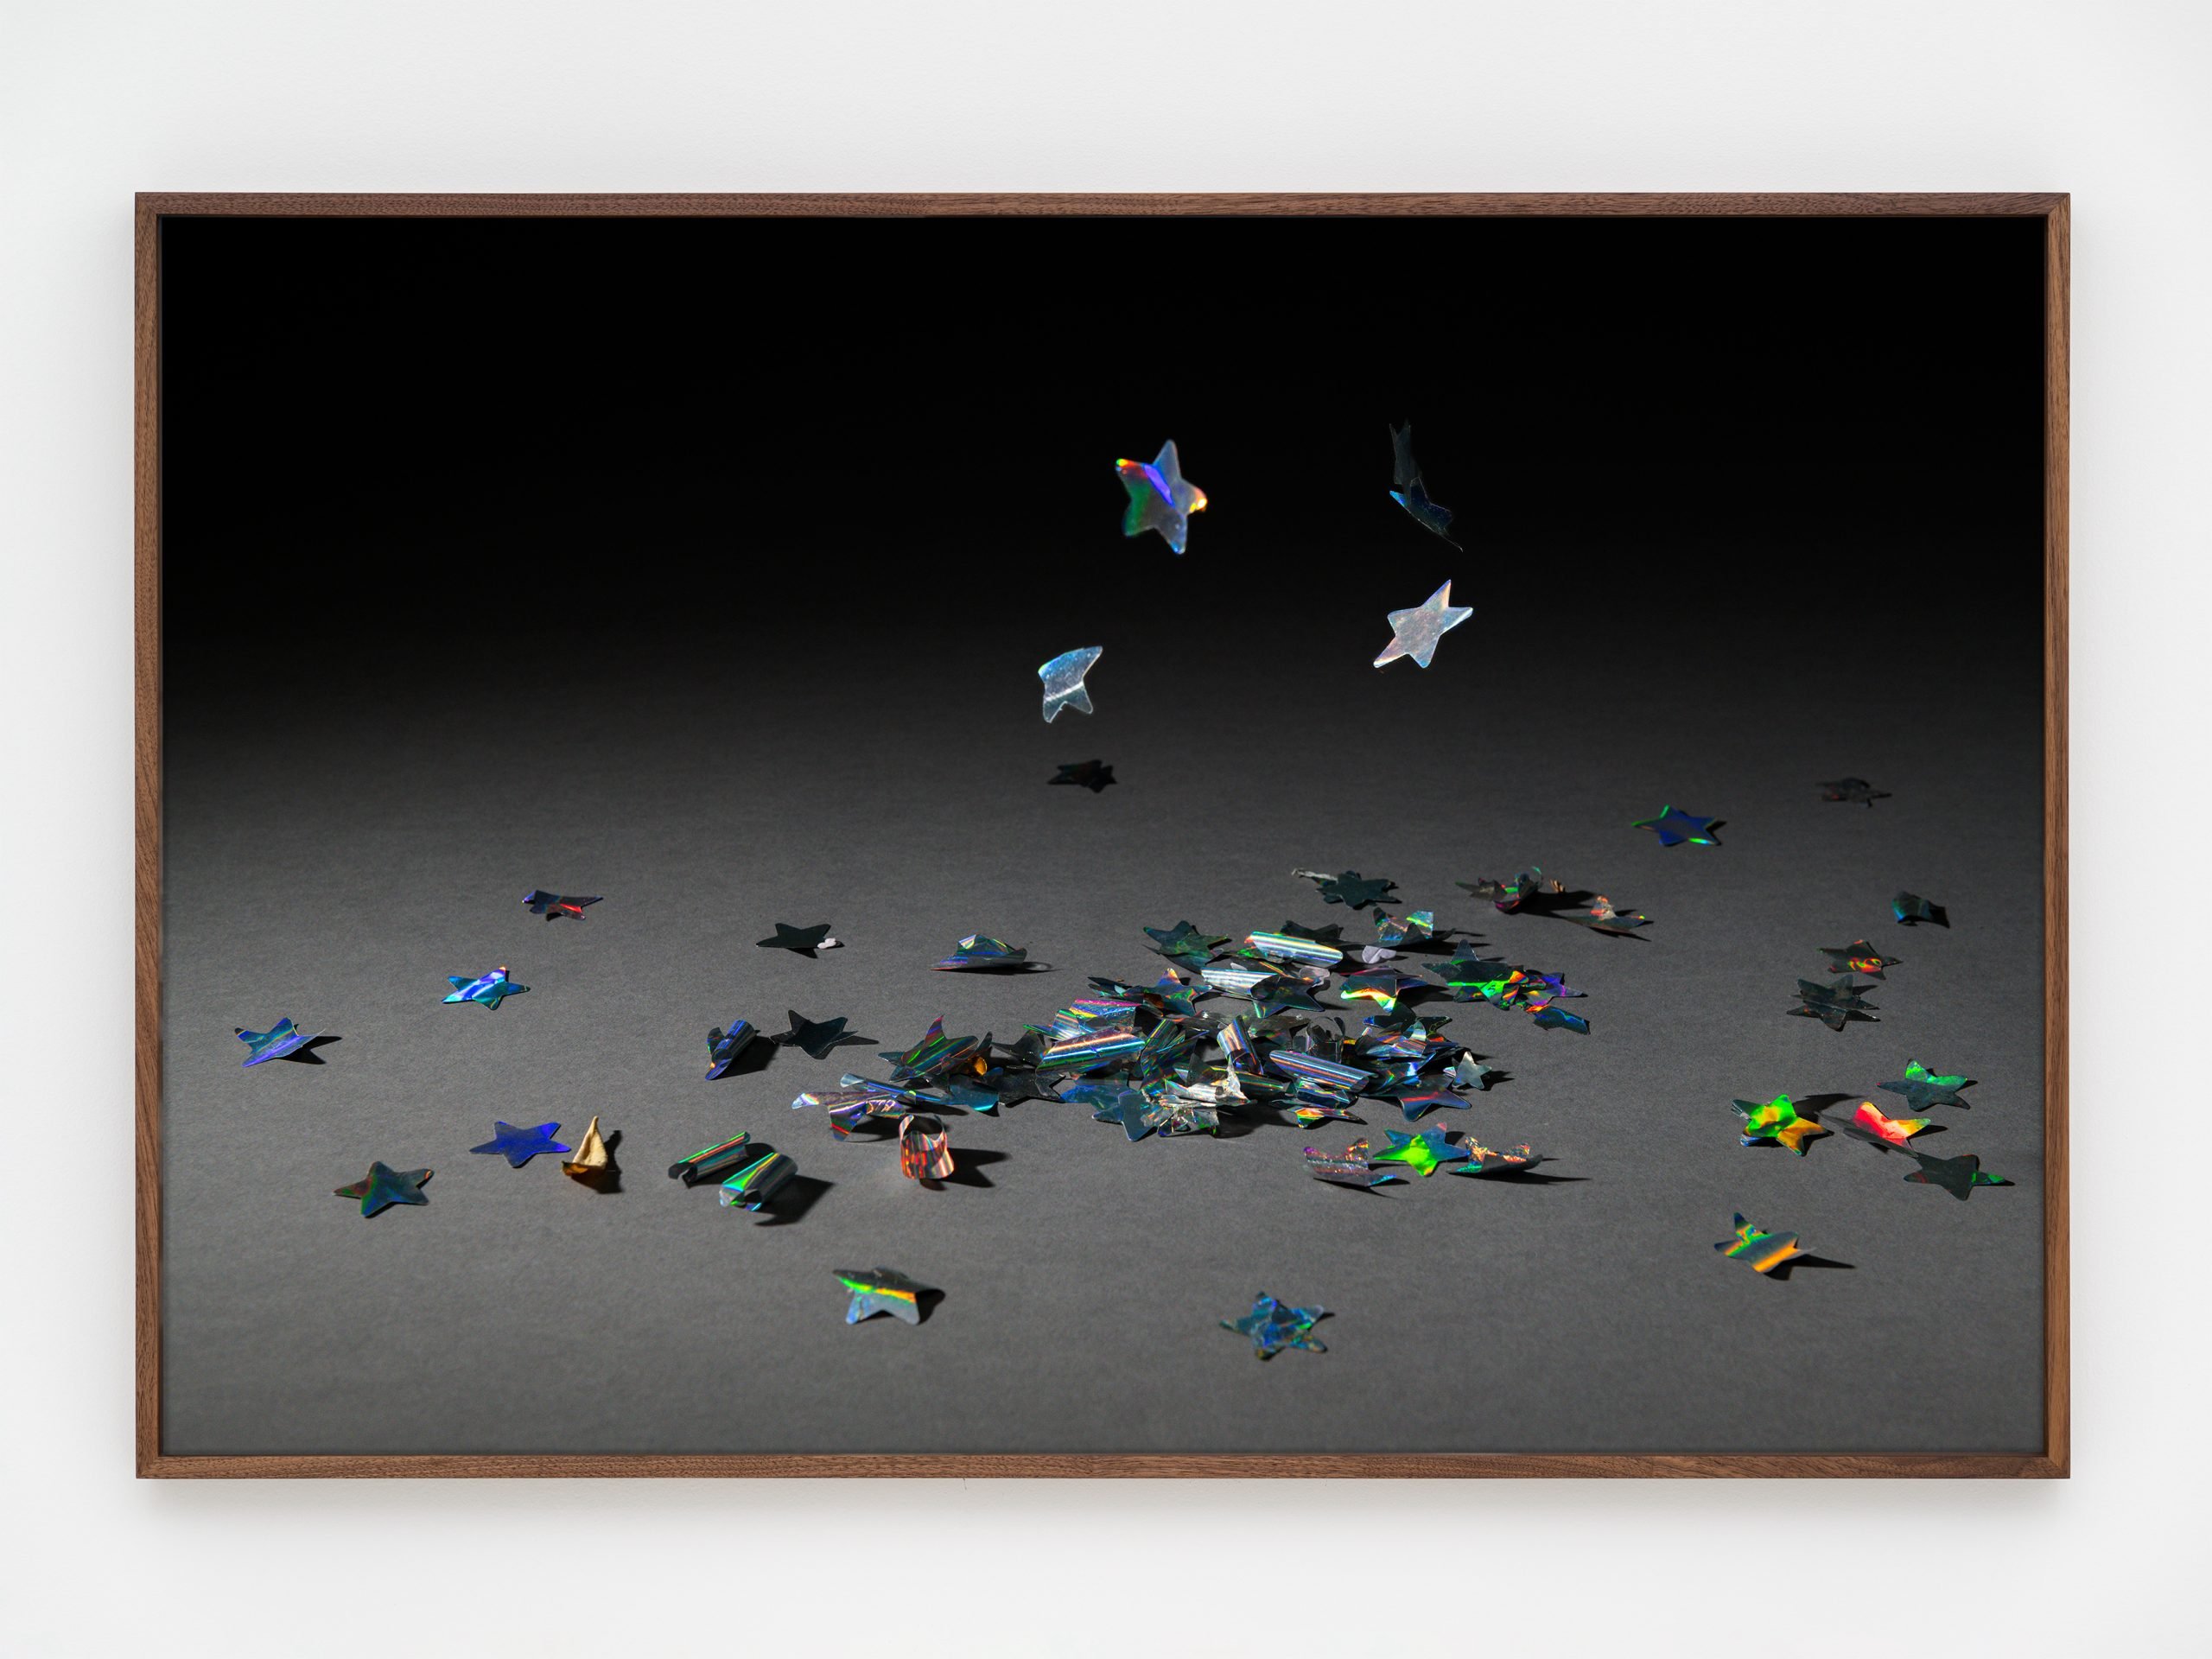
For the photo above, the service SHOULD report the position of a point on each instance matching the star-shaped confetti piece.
(1858, 957)
(1160, 498)
(1093, 775)
(517, 1146)
(1311, 1114)
(1957, 1176)
(1484, 1160)
(274, 1043)
(817, 1037)
(384, 1186)
(981, 954)
(1835, 1004)
(1923, 1089)
(1063, 678)
(1779, 1122)
(554, 905)
(1425, 1151)
(805, 940)
(1350, 1167)
(1852, 789)
(724, 1047)
(1274, 1326)
(882, 1290)
(1674, 827)
(1410, 492)
(1415, 633)
(490, 990)
(1765, 1251)
(1881, 1132)
(1912, 910)
(932, 1054)
(1350, 888)
(1183, 942)
(1416, 1098)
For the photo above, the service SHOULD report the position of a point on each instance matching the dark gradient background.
(707, 565)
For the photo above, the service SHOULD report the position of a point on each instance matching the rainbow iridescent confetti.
(1764, 1252)
(1160, 498)
(1778, 1122)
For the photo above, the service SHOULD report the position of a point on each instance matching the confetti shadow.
(756, 1056)
(1528, 1178)
(969, 1164)
(305, 1053)
(1796, 1261)
(790, 1204)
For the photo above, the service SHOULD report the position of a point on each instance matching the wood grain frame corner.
(2053, 1462)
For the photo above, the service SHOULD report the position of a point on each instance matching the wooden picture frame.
(152, 209)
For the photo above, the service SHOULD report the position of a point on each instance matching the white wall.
(2108, 101)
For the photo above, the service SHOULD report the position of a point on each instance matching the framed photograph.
(1354, 835)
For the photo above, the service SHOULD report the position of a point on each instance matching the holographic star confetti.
(1674, 827)
(1923, 1089)
(1415, 633)
(925, 1147)
(517, 1146)
(1778, 1122)
(1912, 910)
(384, 1186)
(490, 990)
(1350, 888)
(1313, 1113)
(1063, 678)
(1424, 1151)
(803, 940)
(1484, 1160)
(1835, 1004)
(1957, 1176)
(274, 1043)
(1763, 1251)
(1185, 944)
(1858, 957)
(592, 1163)
(1093, 775)
(882, 1290)
(932, 1055)
(817, 1037)
(1881, 1132)
(553, 905)
(755, 1186)
(1533, 893)
(1350, 1167)
(1852, 789)
(1160, 498)
(711, 1160)
(1274, 1326)
(1408, 490)
(725, 1048)
(981, 954)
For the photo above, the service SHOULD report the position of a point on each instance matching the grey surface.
(334, 856)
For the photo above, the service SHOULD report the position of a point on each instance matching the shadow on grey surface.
(305, 1053)
(1531, 1177)
(1815, 1262)
(790, 1207)
(968, 1166)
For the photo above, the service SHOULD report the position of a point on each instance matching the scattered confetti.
(756, 1185)
(517, 1146)
(1415, 633)
(1858, 957)
(274, 1043)
(817, 1037)
(1957, 1176)
(1159, 497)
(1408, 490)
(1765, 1251)
(1063, 678)
(384, 1186)
(1351, 888)
(592, 1163)
(1912, 910)
(725, 1048)
(1923, 1089)
(1533, 893)
(981, 954)
(1274, 1326)
(1835, 1004)
(490, 990)
(553, 905)
(710, 1162)
(882, 1290)
(1482, 1161)
(1424, 1151)
(1881, 1132)
(1674, 827)
(1350, 1167)
(1778, 1123)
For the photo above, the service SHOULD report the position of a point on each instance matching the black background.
(498, 435)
